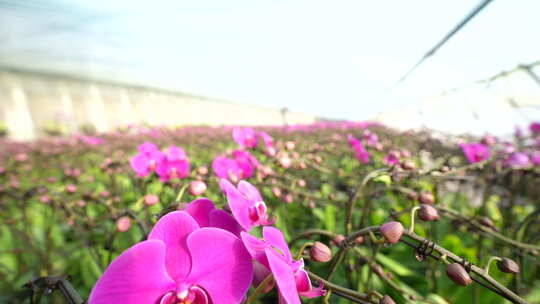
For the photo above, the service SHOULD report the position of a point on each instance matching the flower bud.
(123, 224)
(71, 188)
(45, 199)
(202, 170)
(458, 274)
(290, 145)
(288, 198)
(359, 240)
(392, 231)
(338, 239)
(285, 162)
(197, 188)
(386, 300)
(276, 191)
(427, 198)
(151, 199)
(408, 165)
(507, 265)
(301, 183)
(319, 252)
(486, 221)
(428, 213)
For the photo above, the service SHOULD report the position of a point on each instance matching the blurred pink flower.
(245, 137)
(274, 254)
(475, 152)
(147, 160)
(360, 152)
(179, 263)
(227, 168)
(267, 140)
(392, 158)
(534, 127)
(174, 165)
(247, 162)
(518, 160)
(246, 203)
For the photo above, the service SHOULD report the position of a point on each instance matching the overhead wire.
(445, 39)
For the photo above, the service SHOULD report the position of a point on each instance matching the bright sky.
(335, 59)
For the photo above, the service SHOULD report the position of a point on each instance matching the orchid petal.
(238, 203)
(304, 287)
(249, 191)
(275, 238)
(200, 209)
(138, 275)
(255, 247)
(283, 276)
(173, 229)
(221, 265)
(223, 220)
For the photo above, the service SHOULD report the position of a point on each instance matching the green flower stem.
(253, 297)
(306, 245)
(493, 258)
(413, 213)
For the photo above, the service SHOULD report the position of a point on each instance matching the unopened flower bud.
(458, 274)
(386, 300)
(428, 213)
(408, 165)
(486, 221)
(151, 199)
(392, 231)
(71, 188)
(123, 224)
(359, 240)
(45, 199)
(197, 188)
(288, 198)
(338, 239)
(285, 162)
(202, 170)
(319, 252)
(276, 191)
(507, 265)
(301, 183)
(427, 198)
(290, 145)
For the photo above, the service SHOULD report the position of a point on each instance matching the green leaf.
(330, 217)
(396, 267)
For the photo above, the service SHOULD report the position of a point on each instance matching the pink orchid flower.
(227, 168)
(267, 139)
(274, 254)
(518, 160)
(360, 152)
(205, 213)
(392, 158)
(247, 162)
(245, 137)
(180, 263)
(147, 160)
(475, 152)
(175, 164)
(246, 203)
(534, 127)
